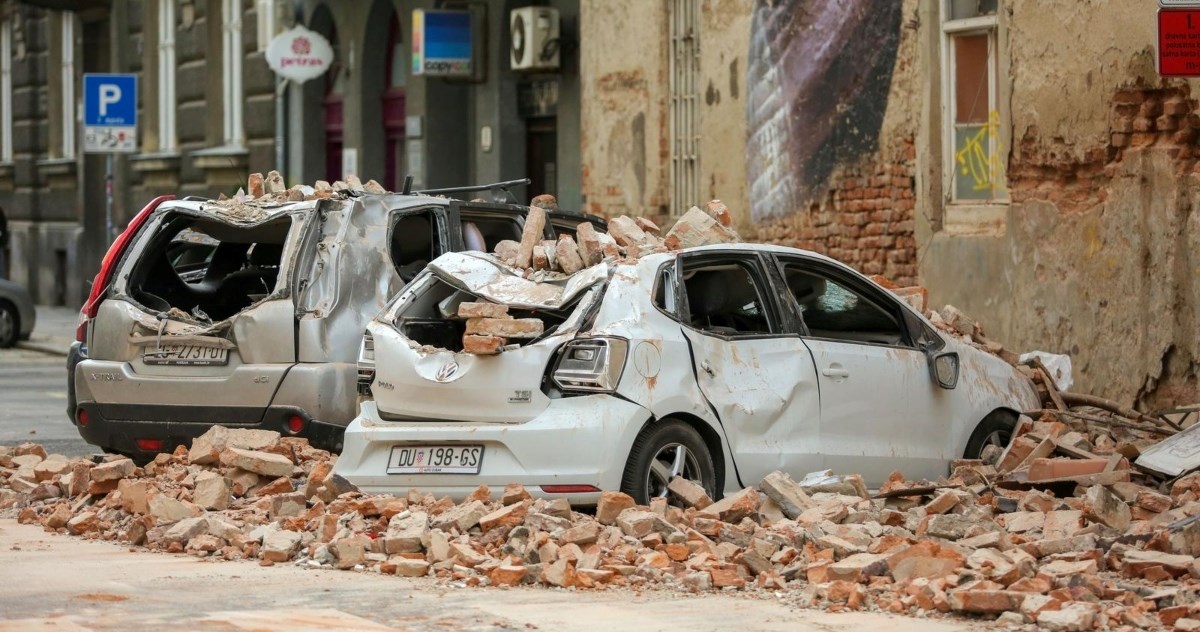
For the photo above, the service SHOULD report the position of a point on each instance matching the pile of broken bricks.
(489, 326)
(1110, 555)
(627, 238)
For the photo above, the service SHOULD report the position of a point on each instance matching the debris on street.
(1057, 529)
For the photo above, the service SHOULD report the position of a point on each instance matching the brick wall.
(866, 219)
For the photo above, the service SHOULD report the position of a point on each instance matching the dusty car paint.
(764, 399)
(292, 350)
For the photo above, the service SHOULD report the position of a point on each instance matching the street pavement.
(33, 387)
(69, 583)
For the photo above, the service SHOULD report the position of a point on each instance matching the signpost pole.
(108, 197)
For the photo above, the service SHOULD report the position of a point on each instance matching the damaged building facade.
(208, 117)
(1021, 159)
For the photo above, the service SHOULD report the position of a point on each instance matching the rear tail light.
(150, 445)
(569, 489)
(109, 264)
(295, 424)
(82, 418)
(366, 364)
(591, 364)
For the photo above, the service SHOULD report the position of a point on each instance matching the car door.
(757, 377)
(869, 371)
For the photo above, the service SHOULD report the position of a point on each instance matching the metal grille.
(685, 76)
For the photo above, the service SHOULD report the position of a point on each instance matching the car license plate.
(435, 459)
(187, 355)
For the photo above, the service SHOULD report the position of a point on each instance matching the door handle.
(708, 368)
(835, 371)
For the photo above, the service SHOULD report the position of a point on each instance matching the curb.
(42, 346)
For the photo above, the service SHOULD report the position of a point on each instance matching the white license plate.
(435, 459)
(187, 355)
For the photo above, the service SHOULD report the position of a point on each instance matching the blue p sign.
(109, 100)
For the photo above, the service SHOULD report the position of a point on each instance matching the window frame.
(6, 100)
(67, 35)
(755, 266)
(967, 213)
(232, 51)
(864, 289)
(168, 139)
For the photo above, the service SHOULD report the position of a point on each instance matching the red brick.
(505, 327)
(483, 345)
(1048, 469)
(482, 310)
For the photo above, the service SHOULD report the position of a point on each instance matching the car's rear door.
(156, 353)
(757, 376)
(869, 374)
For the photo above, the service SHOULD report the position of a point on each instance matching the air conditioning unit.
(535, 40)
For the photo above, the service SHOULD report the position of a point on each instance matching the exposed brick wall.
(1161, 118)
(865, 221)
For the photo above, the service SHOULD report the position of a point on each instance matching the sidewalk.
(54, 331)
(65, 583)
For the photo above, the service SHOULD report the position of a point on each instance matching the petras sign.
(299, 54)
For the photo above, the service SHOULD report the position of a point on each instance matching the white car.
(719, 364)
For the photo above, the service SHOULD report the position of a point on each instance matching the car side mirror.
(943, 367)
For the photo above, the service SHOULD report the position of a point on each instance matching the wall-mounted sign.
(1179, 42)
(441, 43)
(299, 54)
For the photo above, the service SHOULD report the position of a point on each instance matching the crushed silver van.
(250, 313)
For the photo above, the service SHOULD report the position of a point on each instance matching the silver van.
(250, 314)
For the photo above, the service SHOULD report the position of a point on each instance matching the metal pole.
(281, 127)
(108, 199)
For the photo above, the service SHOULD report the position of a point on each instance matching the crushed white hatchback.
(719, 364)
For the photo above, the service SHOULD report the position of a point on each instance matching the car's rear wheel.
(10, 326)
(995, 429)
(663, 451)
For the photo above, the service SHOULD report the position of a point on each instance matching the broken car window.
(724, 298)
(832, 310)
(208, 269)
(431, 316)
(491, 227)
(412, 244)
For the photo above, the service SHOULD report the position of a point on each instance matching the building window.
(685, 77)
(231, 60)
(6, 115)
(166, 76)
(68, 84)
(976, 154)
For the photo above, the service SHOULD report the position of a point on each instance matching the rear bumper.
(575, 441)
(118, 427)
(76, 354)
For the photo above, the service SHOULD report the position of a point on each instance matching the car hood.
(484, 275)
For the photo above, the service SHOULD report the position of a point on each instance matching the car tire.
(995, 429)
(663, 446)
(10, 325)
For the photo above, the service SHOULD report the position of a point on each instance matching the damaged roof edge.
(486, 277)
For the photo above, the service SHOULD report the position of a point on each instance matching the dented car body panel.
(251, 314)
(769, 390)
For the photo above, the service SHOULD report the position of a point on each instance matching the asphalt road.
(33, 402)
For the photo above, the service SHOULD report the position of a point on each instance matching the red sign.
(1179, 42)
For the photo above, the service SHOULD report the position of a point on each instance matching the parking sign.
(109, 113)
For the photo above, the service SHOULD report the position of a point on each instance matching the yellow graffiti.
(980, 156)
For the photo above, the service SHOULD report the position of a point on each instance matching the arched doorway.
(392, 106)
(333, 117)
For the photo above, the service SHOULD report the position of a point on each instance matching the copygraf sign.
(109, 113)
(1179, 42)
(299, 54)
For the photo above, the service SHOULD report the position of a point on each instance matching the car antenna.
(408, 179)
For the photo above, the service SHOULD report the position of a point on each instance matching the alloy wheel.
(673, 459)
